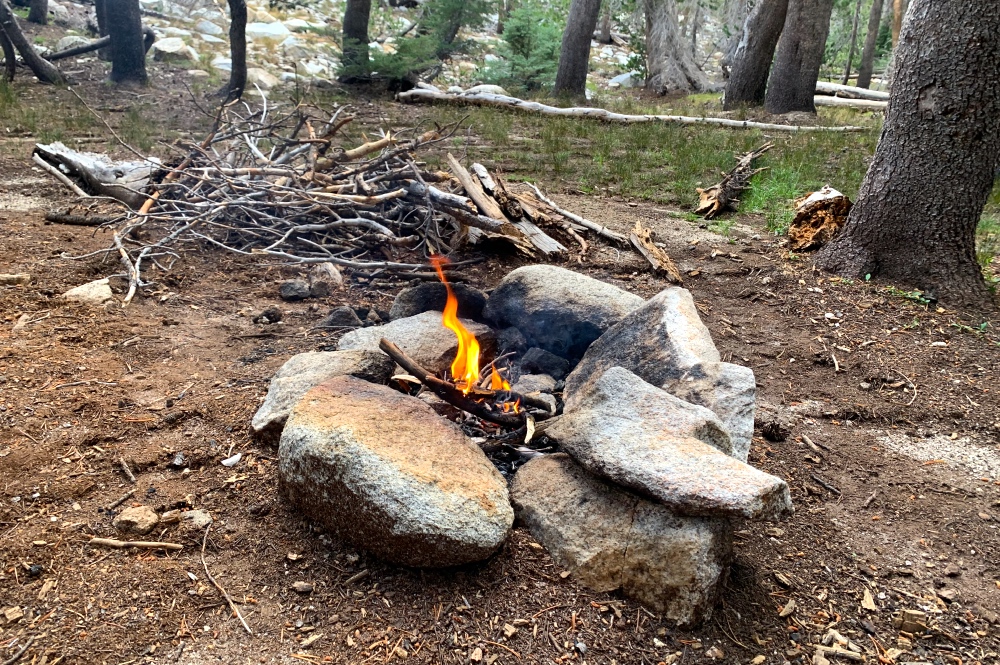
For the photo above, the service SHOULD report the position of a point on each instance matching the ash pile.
(606, 424)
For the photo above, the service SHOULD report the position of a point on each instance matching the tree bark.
(43, 70)
(128, 56)
(101, 11)
(9, 56)
(734, 16)
(898, 11)
(799, 56)
(604, 26)
(868, 53)
(356, 63)
(754, 53)
(670, 66)
(238, 50)
(854, 42)
(39, 12)
(574, 55)
(920, 202)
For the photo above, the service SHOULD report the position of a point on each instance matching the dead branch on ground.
(642, 239)
(725, 195)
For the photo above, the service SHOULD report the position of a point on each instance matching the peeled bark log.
(868, 53)
(39, 12)
(866, 104)
(754, 53)
(799, 56)
(670, 67)
(850, 92)
(43, 70)
(574, 55)
(920, 202)
(237, 50)
(128, 55)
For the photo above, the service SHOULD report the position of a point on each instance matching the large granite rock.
(612, 539)
(432, 296)
(556, 309)
(305, 371)
(422, 337)
(383, 471)
(644, 438)
(665, 343)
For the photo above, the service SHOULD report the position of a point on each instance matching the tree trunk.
(734, 15)
(754, 53)
(669, 64)
(854, 42)
(898, 11)
(356, 63)
(101, 11)
(238, 50)
(799, 56)
(39, 12)
(919, 204)
(128, 56)
(604, 26)
(868, 54)
(574, 56)
(43, 70)
(9, 57)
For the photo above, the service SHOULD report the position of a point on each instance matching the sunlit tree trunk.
(919, 204)
(868, 53)
(574, 55)
(792, 85)
(670, 67)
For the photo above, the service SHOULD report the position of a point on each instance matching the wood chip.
(868, 602)
(787, 609)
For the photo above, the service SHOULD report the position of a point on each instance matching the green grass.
(137, 130)
(61, 116)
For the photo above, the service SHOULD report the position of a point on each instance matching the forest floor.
(897, 510)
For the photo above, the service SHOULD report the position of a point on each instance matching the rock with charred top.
(384, 472)
(294, 290)
(305, 371)
(340, 318)
(666, 344)
(556, 309)
(610, 539)
(540, 361)
(431, 297)
(644, 438)
(422, 337)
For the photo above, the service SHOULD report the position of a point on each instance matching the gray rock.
(341, 317)
(97, 292)
(139, 520)
(665, 343)
(324, 279)
(543, 362)
(609, 538)
(196, 520)
(556, 309)
(431, 296)
(534, 383)
(304, 371)
(422, 337)
(71, 41)
(644, 438)
(486, 89)
(294, 290)
(383, 471)
(511, 340)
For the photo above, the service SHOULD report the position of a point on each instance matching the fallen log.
(602, 231)
(866, 104)
(850, 92)
(642, 239)
(419, 95)
(725, 194)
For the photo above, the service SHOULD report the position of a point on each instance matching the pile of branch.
(286, 187)
(725, 195)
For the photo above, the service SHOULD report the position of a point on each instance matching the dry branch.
(502, 101)
(218, 586)
(138, 544)
(725, 195)
(642, 239)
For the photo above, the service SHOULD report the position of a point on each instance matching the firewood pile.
(290, 186)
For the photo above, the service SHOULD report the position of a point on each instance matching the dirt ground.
(880, 412)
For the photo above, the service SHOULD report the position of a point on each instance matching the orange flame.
(497, 382)
(465, 368)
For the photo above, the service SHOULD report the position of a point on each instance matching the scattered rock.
(302, 587)
(139, 520)
(487, 89)
(626, 80)
(71, 41)
(510, 340)
(540, 361)
(948, 595)
(304, 371)
(294, 290)
(383, 471)
(431, 296)
(269, 315)
(196, 520)
(422, 337)
(534, 383)
(172, 49)
(612, 539)
(178, 461)
(340, 318)
(206, 27)
(557, 309)
(262, 78)
(952, 570)
(276, 31)
(13, 614)
(644, 438)
(97, 292)
(324, 279)
(665, 343)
